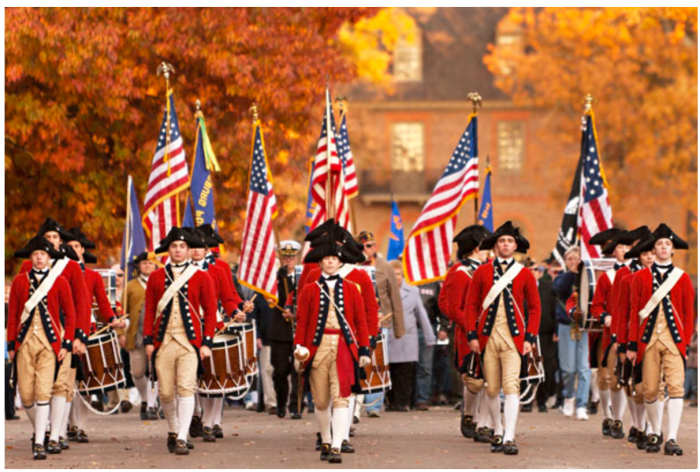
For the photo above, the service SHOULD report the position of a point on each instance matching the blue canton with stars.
(591, 166)
(258, 171)
(174, 126)
(465, 151)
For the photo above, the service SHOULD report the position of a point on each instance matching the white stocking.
(510, 409)
(185, 409)
(653, 415)
(619, 402)
(605, 404)
(494, 404)
(58, 407)
(675, 411)
(218, 409)
(42, 420)
(340, 420)
(197, 405)
(351, 410)
(324, 424)
(471, 402)
(142, 387)
(152, 394)
(170, 416)
(80, 413)
(66, 413)
(595, 393)
(31, 414)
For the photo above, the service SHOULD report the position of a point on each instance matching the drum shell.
(377, 377)
(224, 372)
(102, 369)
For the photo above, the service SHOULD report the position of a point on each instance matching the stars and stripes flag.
(595, 212)
(338, 197)
(351, 188)
(429, 246)
(257, 268)
(169, 176)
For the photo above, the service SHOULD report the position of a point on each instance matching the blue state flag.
(396, 241)
(486, 210)
(134, 239)
(200, 210)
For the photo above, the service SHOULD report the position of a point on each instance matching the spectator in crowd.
(691, 372)
(403, 352)
(429, 294)
(10, 391)
(573, 354)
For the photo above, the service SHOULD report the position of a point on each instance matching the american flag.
(595, 212)
(351, 188)
(429, 246)
(169, 176)
(257, 265)
(319, 177)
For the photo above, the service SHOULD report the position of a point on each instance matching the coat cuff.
(10, 345)
(67, 345)
(288, 307)
(471, 336)
(112, 319)
(613, 338)
(531, 338)
(621, 348)
(207, 341)
(373, 342)
(148, 340)
(632, 346)
(240, 306)
(603, 316)
(363, 351)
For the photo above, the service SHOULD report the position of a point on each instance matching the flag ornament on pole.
(169, 175)
(429, 245)
(258, 262)
(595, 212)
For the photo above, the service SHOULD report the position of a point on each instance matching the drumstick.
(386, 317)
(232, 321)
(104, 328)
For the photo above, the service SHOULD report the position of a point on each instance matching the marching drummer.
(331, 336)
(661, 326)
(452, 303)
(496, 326)
(230, 306)
(39, 300)
(181, 305)
(95, 291)
(602, 309)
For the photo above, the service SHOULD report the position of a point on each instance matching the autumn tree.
(640, 64)
(83, 104)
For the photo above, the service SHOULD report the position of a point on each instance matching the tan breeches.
(323, 380)
(177, 369)
(607, 380)
(36, 365)
(138, 362)
(501, 367)
(658, 361)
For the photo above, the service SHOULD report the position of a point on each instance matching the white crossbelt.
(175, 287)
(502, 283)
(44, 288)
(660, 293)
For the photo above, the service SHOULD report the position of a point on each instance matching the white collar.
(501, 261)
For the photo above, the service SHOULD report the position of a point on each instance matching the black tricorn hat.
(89, 258)
(70, 253)
(637, 234)
(77, 235)
(639, 248)
(140, 258)
(663, 231)
(52, 225)
(604, 236)
(330, 248)
(38, 243)
(340, 236)
(179, 234)
(211, 237)
(506, 229)
(320, 230)
(469, 239)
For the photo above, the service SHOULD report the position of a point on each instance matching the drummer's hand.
(474, 346)
(622, 357)
(83, 349)
(62, 354)
(204, 352)
(149, 350)
(287, 314)
(608, 320)
(365, 361)
(260, 346)
(122, 341)
(527, 347)
(632, 356)
(12, 355)
(77, 346)
(248, 306)
(117, 324)
(239, 317)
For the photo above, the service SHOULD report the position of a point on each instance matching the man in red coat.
(661, 326)
(331, 339)
(95, 292)
(37, 339)
(496, 326)
(179, 325)
(230, 306)
(453, 297)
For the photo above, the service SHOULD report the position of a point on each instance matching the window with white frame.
(511, 145)
(407, 147)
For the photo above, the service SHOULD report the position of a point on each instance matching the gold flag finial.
(588, 102)
(254, 112)
(165, 69)
(341, 102)
(475, 99)
(198, 104)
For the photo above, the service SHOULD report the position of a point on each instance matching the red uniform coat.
(682, 298)
(452, 302)
(224, 292)
(74, 275)
(601, 306)
(359, 277)
(96, 291)
(622, 317)
(58, 299)
(199, 326)
(309, 329)
(226, 270)
(524, 291)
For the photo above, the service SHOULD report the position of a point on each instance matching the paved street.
(396, 440)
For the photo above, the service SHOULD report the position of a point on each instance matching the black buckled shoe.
(281, 411)
(63, 442)
(54, 447)
(190, 444)
(497, 443)
(151, 413)
(526, 408)
(468, 427)
(39, 452)
(334, 457)
(218, 432)
(671, 448)
(347, 448)
(83, 437)
(484, 435)
(318, 441)
(352, 432)
(653, 443)
(607, 424)
(641, 440)
(196, 427)
(143, 413)
(172, 442)
(295, 415)
(181, 448)
(633, 435)
(325, 451)
(208, 434)
(72, 433)
(510, 448)
(616, 430)
(593, 408)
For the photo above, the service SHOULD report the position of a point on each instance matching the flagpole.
(127, 249)
(476, 102)
(330, 207)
